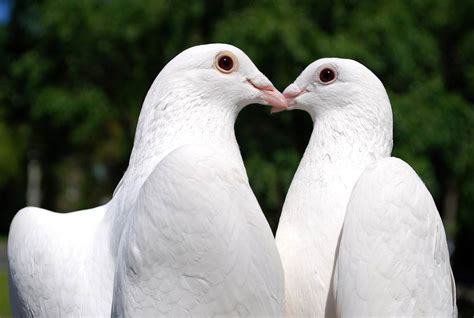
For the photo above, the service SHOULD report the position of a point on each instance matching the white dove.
(183, 233)
(393, 258)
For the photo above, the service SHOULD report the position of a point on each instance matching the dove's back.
(59, 264)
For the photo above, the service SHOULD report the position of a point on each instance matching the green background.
(73, 75)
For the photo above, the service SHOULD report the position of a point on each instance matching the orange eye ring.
(226, 62)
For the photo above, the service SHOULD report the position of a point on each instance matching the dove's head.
(340, 89)
(220, 74)
(348, 104)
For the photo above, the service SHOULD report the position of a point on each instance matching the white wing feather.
(59, 264)
(198, 243)
(393, 258)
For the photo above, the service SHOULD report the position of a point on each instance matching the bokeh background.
(73, 75)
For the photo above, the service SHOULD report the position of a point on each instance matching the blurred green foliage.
(74, 74)
(5, 309)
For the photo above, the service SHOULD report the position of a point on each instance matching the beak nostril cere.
(291, 92)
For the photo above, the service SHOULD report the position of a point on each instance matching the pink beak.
(273, 97)
(290, 94)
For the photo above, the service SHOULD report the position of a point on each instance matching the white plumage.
(352, 130)
(393, 257)
(60, 264)
(212, 252)
(183, 233)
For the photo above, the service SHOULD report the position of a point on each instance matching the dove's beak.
(271, 96)
(291, 93)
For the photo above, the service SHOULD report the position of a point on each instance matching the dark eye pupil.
(226, 63)
(327, 75)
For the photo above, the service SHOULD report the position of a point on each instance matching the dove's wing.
(198, 243)
(58, 265)
(393, 257)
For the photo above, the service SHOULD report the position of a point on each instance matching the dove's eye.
(327, 75)
(226, 62)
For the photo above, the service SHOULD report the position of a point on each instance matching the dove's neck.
(315, 205)
(176, 120)
(170, 119)
(342, 137)
(338, 151)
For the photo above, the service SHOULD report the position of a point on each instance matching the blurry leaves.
(277, 36)
(10, 154)
(271, 179)
(83, 111)
(429, 119)
(465, 51)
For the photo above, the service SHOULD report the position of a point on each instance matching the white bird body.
(190, 103)
(352, 129)
(393, 257)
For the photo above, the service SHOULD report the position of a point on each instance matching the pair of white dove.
(184, 234)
